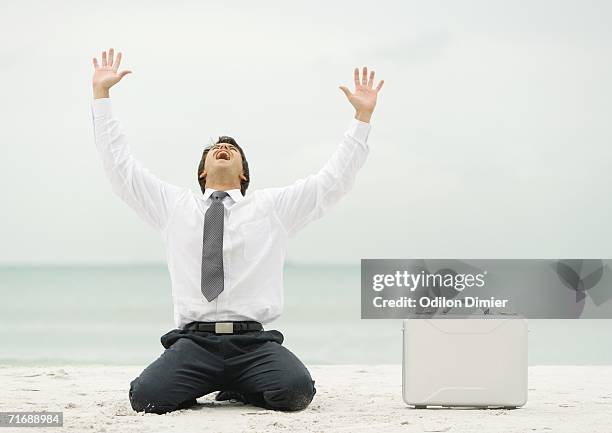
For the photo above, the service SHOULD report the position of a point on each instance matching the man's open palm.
(364, 96)
(106, 75)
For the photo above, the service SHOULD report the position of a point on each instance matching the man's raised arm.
(151, 198)
(309, 198)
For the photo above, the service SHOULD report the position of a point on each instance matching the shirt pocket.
(256, 236)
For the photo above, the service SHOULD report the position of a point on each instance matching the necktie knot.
(219, 195)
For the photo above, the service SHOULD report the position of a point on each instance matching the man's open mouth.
(223, 154)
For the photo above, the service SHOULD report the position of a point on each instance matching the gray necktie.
(212, 249)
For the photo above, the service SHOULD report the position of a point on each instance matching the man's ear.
(203, 175)
(243, 177)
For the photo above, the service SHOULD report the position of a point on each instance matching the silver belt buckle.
(224, 328)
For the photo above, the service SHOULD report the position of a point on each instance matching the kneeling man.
(225, 253)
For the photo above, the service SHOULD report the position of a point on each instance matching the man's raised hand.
(364, 96)
(106, 75)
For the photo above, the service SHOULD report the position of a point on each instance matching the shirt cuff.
(101, 107)
(359, 130)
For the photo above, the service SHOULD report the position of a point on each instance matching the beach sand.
(350, 398)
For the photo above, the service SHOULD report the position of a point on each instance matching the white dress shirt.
(256, 229)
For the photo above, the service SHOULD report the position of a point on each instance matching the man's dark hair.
(244, 184)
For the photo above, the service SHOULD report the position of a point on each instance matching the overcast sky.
(491, 139)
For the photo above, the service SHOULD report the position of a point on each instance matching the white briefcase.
(465, 362)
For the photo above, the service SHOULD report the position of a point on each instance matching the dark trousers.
(197, 363)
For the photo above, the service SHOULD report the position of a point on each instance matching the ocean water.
(116, 315)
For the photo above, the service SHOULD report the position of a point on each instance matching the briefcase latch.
(224, 328)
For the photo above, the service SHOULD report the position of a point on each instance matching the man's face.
(223, 159)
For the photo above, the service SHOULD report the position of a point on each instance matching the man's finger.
(117, 62)
(124, 73)
(371, 80)
(356, 77)
(364, 78)
(111, 57)
(346, 91)
(380, 85)
(104, 58)
(95, 63)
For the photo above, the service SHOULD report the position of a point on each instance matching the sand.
(350, 398)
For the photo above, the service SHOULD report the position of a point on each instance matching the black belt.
(224, 327)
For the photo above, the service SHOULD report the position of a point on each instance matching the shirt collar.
(235, 194)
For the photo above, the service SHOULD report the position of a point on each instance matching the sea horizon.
(115, 314)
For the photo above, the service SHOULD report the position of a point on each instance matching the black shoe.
(230, 395)
(187, 404)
